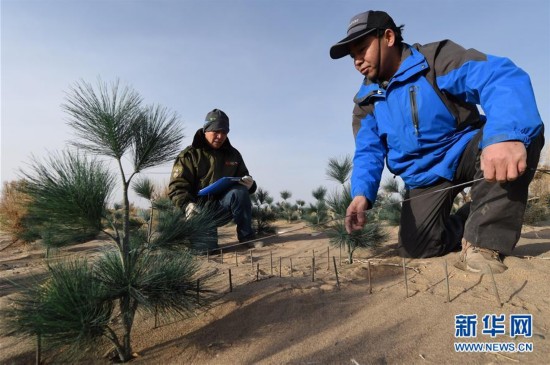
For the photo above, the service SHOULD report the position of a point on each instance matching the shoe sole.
(465, 267)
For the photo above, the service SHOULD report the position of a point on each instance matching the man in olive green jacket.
(209, 158)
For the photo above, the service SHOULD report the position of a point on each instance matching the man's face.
(365, 53)
(215, 138)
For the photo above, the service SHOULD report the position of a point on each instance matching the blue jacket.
(421, 122)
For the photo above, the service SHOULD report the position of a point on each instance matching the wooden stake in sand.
(236, 259)
(251, 260)
(336, 271)
(207, 255)
(198, 291)
(280, 267)
(313, 268)
(495, 286)
(258, 271)
(405, 275)
(230, 282)
(271, 259)
(447, 281)
(38, 349)
(368, 273)
(156, 317)
(221, 253)
(291, 269)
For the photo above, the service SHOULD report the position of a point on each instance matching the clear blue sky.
(265, 63)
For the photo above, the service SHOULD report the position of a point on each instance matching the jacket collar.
(412, 63)
(199, 141)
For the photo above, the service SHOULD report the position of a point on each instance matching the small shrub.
(536, 211)
(538, 205)
(15, 219)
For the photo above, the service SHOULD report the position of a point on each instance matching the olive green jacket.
(200, 165)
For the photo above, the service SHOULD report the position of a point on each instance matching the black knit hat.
(361, 25)
(216, 120)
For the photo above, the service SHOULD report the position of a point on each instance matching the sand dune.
(301, 317)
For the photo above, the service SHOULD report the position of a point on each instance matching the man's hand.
(247, 181)
(355, 214)
(504, 161)
(191, 209)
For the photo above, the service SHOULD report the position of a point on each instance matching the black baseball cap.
(216, 120)
(359, 26)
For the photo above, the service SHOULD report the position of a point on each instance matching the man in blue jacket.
(416, 110)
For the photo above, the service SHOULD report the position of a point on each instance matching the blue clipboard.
(219, 186)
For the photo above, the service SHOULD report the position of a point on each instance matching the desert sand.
(275, 316)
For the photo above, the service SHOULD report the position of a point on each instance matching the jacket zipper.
(414, 109)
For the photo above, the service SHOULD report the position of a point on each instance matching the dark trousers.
(493, 218)
(238, 207)
(234, 205)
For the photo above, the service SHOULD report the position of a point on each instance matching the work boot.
(479, 260)
(256, 244)
(252, 242)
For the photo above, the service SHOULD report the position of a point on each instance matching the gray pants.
(492, 220)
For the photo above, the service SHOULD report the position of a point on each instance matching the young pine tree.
(300, 208)
(318, 211)
(388, 202)
(146, 270)
(287, 208)
(262, 212)
(371, 235)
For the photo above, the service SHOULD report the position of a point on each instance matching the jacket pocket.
(414, 108)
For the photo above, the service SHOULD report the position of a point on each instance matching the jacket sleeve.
(368, 161)
(242, 170)
(182, 188)
(502, 89)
